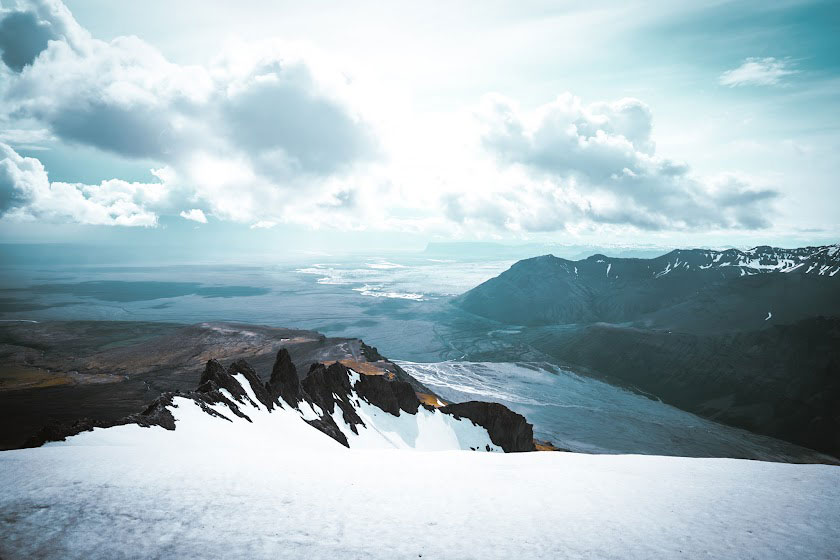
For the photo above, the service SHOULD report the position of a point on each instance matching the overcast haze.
(326, 126)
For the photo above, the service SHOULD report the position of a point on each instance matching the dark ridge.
(284, 382)
(329, 387)
(260, 391)
(215, 376)
(324, 388)
(507, 429)
(390, 396)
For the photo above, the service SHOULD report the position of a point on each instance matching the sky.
(331, 125)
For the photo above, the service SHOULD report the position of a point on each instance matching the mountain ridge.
(551, 290)
(335, 400)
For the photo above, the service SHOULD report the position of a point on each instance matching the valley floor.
(98, 498)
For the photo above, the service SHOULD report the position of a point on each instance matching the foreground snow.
(167, 495)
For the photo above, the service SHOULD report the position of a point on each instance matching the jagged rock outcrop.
(507, 429)
(317, 399)
(390, 396)
(260, 391)
(284, 382)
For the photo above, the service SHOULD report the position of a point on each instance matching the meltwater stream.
(584, 414)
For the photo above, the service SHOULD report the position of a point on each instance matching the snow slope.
(238, 500)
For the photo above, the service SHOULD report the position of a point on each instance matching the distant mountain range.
(749, 338)
(466, 250)
(789, 284)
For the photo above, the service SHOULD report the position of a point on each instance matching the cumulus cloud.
(265, 134)
(259, 124)
(602, 162)
(27, 194)
(196, 215)
(758, 72)
(22, 38)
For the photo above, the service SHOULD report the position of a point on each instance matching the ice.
(380, 292)
(273, 499)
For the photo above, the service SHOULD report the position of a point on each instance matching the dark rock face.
(507, 429)
(325, 389)
(390, 396)
(284, 382)
(215, 377)
(261, 391)
(329, 388)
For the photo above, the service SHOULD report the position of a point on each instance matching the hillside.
(783, 381)
(748, 338)
(549, 290)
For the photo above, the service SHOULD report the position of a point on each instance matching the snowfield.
(278, 501)
(277, 487)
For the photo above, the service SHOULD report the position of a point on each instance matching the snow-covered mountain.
(332, 405)
(821, 260)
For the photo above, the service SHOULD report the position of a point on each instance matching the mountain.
(550, 290)
(483, 250)
(352, 408)
(747, 338)
(79, 375)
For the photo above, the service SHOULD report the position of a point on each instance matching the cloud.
(22, 38)
(758, 72)
(602, 164)
(263, 224)
(27, 194)
(196, 215)
(265, 134)
(275, 121)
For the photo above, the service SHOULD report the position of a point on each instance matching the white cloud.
(600, 160)
(27, 194)
(263, 224)
(758, 72)
(196, 215)
(267, 134)
(259, 125)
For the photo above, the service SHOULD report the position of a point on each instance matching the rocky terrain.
(158, 363)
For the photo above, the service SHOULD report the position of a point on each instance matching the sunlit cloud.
(195, 214)
(758, 72)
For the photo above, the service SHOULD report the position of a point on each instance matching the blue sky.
(331, 125)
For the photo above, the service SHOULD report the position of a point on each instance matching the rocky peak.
(506, 428)
(284, 382)
(215, 377)
(390, 396)
(260, 391)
